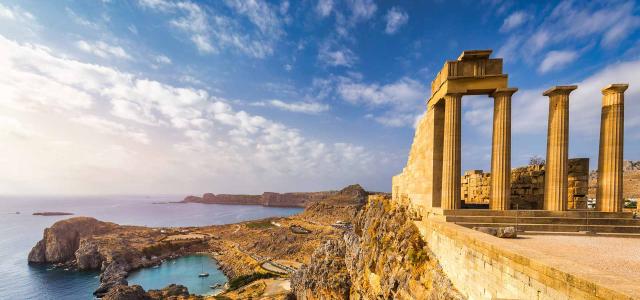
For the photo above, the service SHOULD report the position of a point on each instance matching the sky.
(246, 96)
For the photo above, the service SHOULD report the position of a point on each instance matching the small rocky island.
(52, 213)
(262, 258)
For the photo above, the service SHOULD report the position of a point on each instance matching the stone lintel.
(475, 54)
(615, 88)
(560, 90)
(504, 91)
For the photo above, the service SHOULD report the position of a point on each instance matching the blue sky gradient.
(159, 96)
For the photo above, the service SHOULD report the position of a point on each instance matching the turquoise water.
(183, 270)
(18, 233)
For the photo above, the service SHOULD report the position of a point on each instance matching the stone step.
(537, 213)
(544, 220)
(559, 227)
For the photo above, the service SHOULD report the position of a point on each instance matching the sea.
(20, 232)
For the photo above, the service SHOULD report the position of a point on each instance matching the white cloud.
(336, 56)
(110, 127)
(163, 59)
(301, 107)
(530, 109)
(200, 142)
(133, 29)
(581, 24)
(102, 49)
(514, 20)
(80, 20)
(15, 13)
(362, 9)
(404, 99)
(324, 7)
(11, 127)
(395, 18)
(555, 60)
(211, 31)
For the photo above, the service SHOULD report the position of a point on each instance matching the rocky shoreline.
(354, 246)
(82, 243)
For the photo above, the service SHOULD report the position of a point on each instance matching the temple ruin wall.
(527, 186)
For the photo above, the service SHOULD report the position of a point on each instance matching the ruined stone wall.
(475, 187)
(527, 185)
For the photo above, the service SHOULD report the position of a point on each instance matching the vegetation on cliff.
(384, 257)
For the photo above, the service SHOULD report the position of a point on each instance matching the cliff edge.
(383, 257)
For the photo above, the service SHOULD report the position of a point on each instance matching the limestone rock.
(382, 257)
(62, 239)
(123, 292)
(114, 274)
(87, 256)
(194, 199)
(507, 232)
(172, 290)
(326, 277)
(37, 254)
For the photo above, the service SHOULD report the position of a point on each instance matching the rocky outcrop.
(326, 277)
(136, 292)
(192, 199)
(87, 256)
(114, 274)
(60, 242)
(231, 199)
(171, 291)
(123, 292)
(631, 165)
(383, 257)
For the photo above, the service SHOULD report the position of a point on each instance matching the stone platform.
(551, 221)
(541, 265)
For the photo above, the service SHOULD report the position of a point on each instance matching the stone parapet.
(481, 266)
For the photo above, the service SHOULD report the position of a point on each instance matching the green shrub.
(243, 280)
(260, 224)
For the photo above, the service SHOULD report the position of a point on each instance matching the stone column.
(451, 152)
(501, 150)
(609, 194)
(556, 181)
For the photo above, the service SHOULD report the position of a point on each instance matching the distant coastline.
(270, 199)
(52, 213)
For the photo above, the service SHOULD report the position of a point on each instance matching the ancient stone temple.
(431, 179)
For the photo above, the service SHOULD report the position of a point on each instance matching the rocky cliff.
(383, 257)
(60, 242)
(301, 199)
(88, 244)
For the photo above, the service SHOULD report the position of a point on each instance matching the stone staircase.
(551, 221)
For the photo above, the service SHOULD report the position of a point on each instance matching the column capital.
(504, 92)
(454, 94)
(615, 88)
(560, 90)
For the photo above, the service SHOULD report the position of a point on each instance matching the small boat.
(203, 273)
(156, 266)
(216, 286)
